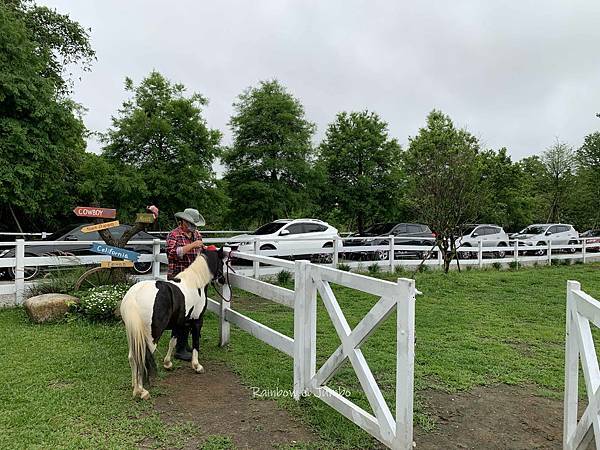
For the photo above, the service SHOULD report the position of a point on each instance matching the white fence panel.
(582, 310)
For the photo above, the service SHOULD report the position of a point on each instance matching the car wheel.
(540, 251)
(465, 255)
(572, 249)
(29, 273)
(501, 253)
(142, 268)
(381, 255)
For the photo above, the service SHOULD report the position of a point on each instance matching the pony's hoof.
(168, 365)
(199, 369)
(145, 395)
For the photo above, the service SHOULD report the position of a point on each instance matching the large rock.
(48, 307)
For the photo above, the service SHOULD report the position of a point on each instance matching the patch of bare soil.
(217, 403)
(492, 417)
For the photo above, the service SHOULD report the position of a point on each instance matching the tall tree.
(161, 132)
(361, 164)
(559, 163)
(41, 133)
(585, 205)
(444, 172)
(268, 167)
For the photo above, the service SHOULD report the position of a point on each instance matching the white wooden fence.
(582, 310)
(310, 279)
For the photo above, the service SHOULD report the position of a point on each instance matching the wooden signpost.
(111, 264)
(144, 218)
(96, 213)
(116, 252)
(100, 226)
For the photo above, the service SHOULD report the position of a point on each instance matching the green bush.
(513, 265)
(284, 277)
(555, 262)
(59, 281)
(344, 267)
(497, 265)
(423, 268)
(399, 270)
(566, 262)
(374, 268)
(99, 303)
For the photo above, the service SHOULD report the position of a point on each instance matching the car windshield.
(269, 228)
(469, 229)
(534, 229)
(380, 229)
(60, 233)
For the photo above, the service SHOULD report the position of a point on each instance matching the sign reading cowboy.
(100, 213)
(116, 252)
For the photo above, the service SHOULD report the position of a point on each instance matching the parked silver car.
(489, 235)
(539, 234)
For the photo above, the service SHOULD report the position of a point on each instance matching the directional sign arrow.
(100, 226)
(99, 213)
(116, 252)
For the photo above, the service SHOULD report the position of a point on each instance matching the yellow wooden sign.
(100, 226)
(144, 218)
(111, 264)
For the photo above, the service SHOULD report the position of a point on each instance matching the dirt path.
(490, 418)
(218, 404)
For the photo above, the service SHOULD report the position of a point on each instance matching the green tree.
(361, 166)
(161, 133)
(444, 171)
(268, 167)
(559, 163)
(585, 203)
(41, 133)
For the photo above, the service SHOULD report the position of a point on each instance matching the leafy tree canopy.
(269, 164)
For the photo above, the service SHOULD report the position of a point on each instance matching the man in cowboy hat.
(184, 243)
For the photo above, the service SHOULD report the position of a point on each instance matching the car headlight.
(3, 252)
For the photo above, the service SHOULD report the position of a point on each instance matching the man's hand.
(198, 243)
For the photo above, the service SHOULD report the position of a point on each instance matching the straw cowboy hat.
(191, 215)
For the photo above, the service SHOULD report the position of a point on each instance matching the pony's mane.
(197, 275)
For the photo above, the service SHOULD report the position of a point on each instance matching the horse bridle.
(227, 282)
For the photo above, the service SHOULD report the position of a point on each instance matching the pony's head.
(214, 260)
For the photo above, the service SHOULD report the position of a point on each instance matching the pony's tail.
(141, 353)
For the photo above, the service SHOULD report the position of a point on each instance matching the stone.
(48, 307)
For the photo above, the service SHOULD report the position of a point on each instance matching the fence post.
(335, 259)
(224, 306)
(549, 253)
(480, 253)
(583, 250)
(571, 368)
(305, 327)
(155, 261)
(391, 251)
(516, 253)
(256, 264)
(405, 362)
(19, 270)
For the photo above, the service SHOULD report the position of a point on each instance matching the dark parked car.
(73, 234)
(592, 241)
(411, 234)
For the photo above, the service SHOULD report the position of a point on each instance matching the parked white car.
(290, 238)
(539, 234)
(488, 234)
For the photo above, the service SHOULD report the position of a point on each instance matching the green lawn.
(67, 385)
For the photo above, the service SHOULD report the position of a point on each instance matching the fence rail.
(17, 257)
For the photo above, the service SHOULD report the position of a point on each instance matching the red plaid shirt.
(177, 239)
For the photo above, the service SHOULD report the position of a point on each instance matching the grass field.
(66, 385)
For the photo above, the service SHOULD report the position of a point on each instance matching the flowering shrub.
(99, 303)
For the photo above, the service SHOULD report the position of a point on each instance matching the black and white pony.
(151, 307)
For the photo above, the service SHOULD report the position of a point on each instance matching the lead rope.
(228, 265)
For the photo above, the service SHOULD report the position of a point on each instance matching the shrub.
(555, 262)
(566, 262)
(344, 267)
(497, 266)
(423, 268)
(399, 270)
(578, 262)
(513, 265)
(99, 303)
(58, 281)
(284, 277)
(374, 268)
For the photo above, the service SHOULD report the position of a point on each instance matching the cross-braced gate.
(581, 310)
(395, 432)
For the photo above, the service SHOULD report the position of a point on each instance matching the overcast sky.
(517, 74)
